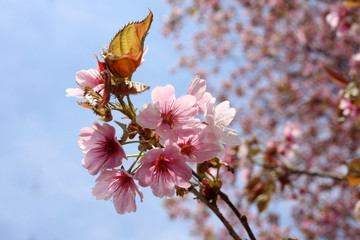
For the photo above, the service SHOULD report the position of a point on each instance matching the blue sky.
(46, 193)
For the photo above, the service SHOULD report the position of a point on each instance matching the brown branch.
(242, 218)
(305, 172)
(215, 210)
(316, 174)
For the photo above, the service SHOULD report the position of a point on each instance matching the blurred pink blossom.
(348, 108)
(333, 19)
(356, 211)
(291, 131)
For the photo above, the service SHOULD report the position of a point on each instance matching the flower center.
(168, 118)
(186, 148)
(109, 146)
(118, 182)
(160, 164)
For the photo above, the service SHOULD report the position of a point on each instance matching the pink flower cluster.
(184, 138)
(349, 108)
(103, 154)
(291, 133)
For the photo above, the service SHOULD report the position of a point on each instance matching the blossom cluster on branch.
(182, 141)
(292, 70)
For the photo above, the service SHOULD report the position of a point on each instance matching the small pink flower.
(163, 169)
(348, 108)
(168, 116)
(291, 131)
(333, 19)
(120, 186)
(343, 28)
(90, 78)
(218, 119)
(200, 146)
(197, 89)
(101, 147)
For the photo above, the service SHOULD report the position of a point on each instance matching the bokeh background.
(45, 192)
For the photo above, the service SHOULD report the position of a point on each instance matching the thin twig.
(215, 210)
(306, 172)
(316, 174)
(242, 218)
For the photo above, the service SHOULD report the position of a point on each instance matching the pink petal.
(125, 203)
(149, 116)
(94, 160)
(197, 87)
(203, 101)
(183, 174)
(75, 92)
(144, 175)
(100, 191)
(224, 114)
(87, 139)
(206, 152)
(185, 106)
(163, 186)
(106, 130)
(89, 78)
(163, 95)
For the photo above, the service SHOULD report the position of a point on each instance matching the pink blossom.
(168, 115)
(354, 64)
(349, 109)
(343, 28)
(200, 146)
(356, 57)
(218, 119)
(247, 165)
(291, 131)
(356, 211)
(333, 19)
(197, 89)
(163, 169)
(90, 78)
(120, 186)
(101, 147)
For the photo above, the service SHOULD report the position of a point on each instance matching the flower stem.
(129, 142)
(134, 155)
(132, 165)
